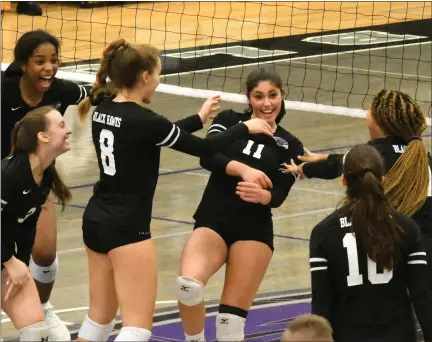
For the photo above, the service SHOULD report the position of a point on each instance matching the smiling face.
(41, 67)
(266, 101)
(56, 133)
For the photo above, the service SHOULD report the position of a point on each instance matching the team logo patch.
(281, 142)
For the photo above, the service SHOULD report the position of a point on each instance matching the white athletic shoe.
(58, 331)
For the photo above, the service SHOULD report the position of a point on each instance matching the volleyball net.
(333, 57)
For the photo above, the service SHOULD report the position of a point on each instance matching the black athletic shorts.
(232, 232)
(104, 237)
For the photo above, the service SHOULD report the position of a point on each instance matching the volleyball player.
(28, 175)
(116, 223)
(395, 123)
(233, 222)
(368, 263)
(30, 82)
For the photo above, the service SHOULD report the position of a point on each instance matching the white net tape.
(227, 97)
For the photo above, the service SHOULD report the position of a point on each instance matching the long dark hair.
(367, 207)
(24, 139)
(261, 75)
(24, 48)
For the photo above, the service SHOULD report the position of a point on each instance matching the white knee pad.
(189, 291)
(34, 332)
(133, 334)
(229, 327)
(44, 274)
(92, 331)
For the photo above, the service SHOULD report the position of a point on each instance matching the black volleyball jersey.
(353, 294)
(60, 95)
(262, 152)
(390, 149)
(128, 138)
(21, 201)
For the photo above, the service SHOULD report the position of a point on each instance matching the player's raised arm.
(166, 134)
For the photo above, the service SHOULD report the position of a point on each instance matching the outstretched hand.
(310, 157)
(293, 168)
(209, 108)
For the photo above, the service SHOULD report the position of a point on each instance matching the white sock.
(133, 334)
(34, 332)
(46, 306)
(196, 338)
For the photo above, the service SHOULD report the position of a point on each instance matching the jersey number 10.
(106, 142)
(355, 278)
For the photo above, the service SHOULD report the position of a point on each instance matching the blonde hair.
(399, 115)
(310, 328)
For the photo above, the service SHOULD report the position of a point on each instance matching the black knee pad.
(233, 310)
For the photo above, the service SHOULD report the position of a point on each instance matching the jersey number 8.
(106, 141)
(355, 278)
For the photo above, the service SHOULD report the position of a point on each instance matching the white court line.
(6, 320)
(164, 236)
(70, 251)
(294, 58)
(83, 308)
(79, 249)
(294, 187)
(366, 70)
(318, 191)
(302, 213)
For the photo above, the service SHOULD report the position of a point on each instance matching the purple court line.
(190, 223)
(200, 168)
(160, 174)
(290, 237)
(153, 217)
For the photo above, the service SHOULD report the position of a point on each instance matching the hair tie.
(414, 138)
(352, 176)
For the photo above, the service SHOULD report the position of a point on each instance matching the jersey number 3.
(355, 278)
(106, 141)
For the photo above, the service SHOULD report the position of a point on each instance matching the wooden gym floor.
(182, 181)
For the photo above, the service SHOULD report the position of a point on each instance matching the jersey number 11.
(248, 149)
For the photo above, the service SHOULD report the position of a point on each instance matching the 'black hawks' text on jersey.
(390, 149)
(128, 138)
(60, 95)
(21, 203)
(361, 300)
(220, 201)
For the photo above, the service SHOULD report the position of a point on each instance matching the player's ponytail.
(24, 139)
(100, 88)
(123, 63)
(397, 114)
(367, 206)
